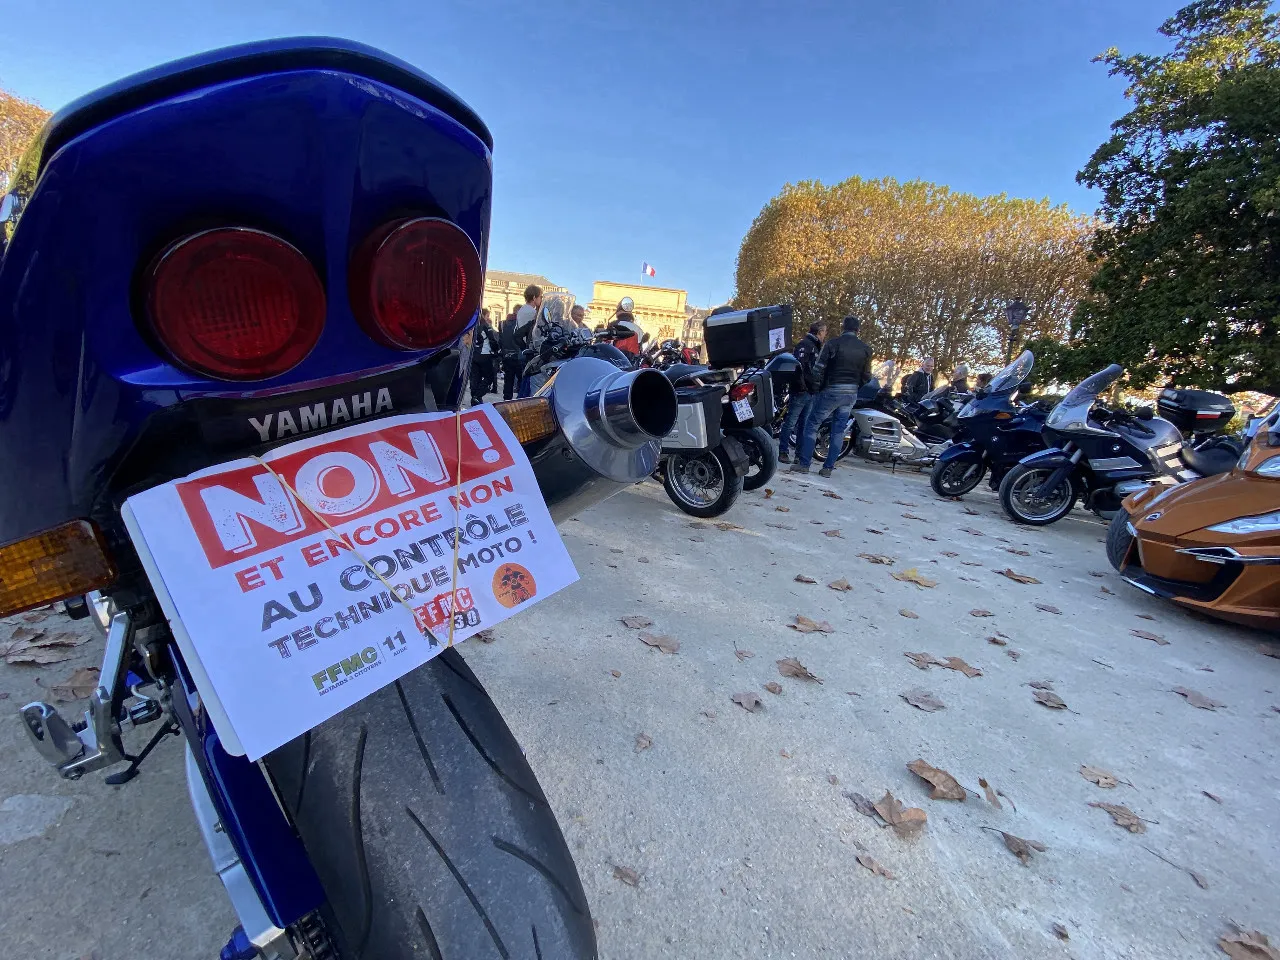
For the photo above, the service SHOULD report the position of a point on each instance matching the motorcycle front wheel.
(428, 829)
(763, 456)
(955, 478)
(1020, 497)
(703, 484)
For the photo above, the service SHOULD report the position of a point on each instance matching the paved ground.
(737, 822)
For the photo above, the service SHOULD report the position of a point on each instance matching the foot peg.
(52, 736)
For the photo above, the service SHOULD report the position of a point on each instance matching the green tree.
(1187, 287)
(927, 268)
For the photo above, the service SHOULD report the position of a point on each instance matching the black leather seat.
(1210, 460)
(678, 371)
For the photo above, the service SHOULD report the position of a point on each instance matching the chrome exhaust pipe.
(611, 427)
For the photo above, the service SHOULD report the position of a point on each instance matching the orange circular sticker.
(513, 585)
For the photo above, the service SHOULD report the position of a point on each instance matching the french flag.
(648, 270)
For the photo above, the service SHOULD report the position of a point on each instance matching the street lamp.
(1015, 312)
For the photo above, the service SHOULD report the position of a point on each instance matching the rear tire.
(688, 492)
(763, 454)
(955, 478)
(1017, 484)
(428, 829)
(1119, 539)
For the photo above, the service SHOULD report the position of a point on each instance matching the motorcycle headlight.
(1267, 468)
(1266, 523)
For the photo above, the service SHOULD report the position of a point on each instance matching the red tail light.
(741, 391)
(415, 284)
(236, 304)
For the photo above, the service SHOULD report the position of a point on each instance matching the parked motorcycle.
(227, 295)
(994, 434)
(1100, 456)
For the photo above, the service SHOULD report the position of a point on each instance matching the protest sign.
(298, 584)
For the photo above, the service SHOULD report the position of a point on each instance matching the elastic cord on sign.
(453, 580)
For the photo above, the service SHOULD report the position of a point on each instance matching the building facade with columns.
(504, 292)
(660, 311)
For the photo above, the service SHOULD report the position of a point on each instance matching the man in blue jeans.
(802, 390)
(843, 366)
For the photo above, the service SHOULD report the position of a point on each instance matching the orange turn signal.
(529, 419)
(53, 565)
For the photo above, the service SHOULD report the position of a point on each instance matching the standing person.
(916, 385)
(960, 378)
(843, 366)
(801, 391)
(511, 345)
(527, 315)
(484, 359)
(578, 315)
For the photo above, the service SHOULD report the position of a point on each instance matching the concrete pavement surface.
(738, 823)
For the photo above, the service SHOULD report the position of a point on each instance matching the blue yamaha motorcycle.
(204, 261)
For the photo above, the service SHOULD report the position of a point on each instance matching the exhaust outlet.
(633, 408)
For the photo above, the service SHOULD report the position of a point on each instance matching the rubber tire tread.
(1119, 539)
(722, 503)
(764, 442)
(1006, 499)
(935, 478)
(428, 829)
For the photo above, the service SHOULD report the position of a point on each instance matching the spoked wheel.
(955, 478)
(762, 455)
(824, 438)
(702, 485)
(1024, 503)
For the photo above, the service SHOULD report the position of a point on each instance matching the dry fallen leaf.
(832, 495)
(833, 533)
(1017, 577)
(912, 516)
(945, 786)
(774, 687)
(1122, 815)
(1145, 616)
(906, 822)
(39, 656)
(615, 673)
(1203, 884)
(863, 804)
(1269, 651)
(784, 753)
(991, 794)
(791, 667)
(665, 644)
(803, 578)
(972, 532)
(950, 553)
(79, 686)
(955, 663)
(974, 563)
(930, 537)
(1012, 654)
(874, 530)
(909, 614)
(727, 526)
(1048, 608)
(1198, 699)
(742, 654)
(1060, 932)
(923, 700)
(805, 625)
(912, 575)
(906, 503)
(782, 509)
(637, 623)
(643, 742)
(1021, 848)
(1212, 796)
(486, 636)
(874, 866)
(998, 641)
(1040, 684)
(626, 875)
(768, 492)
(1049, 699)
(1018, 553)
(1143, 634)
(981, 613)
(748, 701)
(780, 526)
(842, 585)
(1248, 945)
(1096, 573)
(923, 660)
(878, 558)
(1099, 776)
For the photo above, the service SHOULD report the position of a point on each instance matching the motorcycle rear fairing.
(279, 139)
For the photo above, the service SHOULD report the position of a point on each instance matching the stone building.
(504, 292)
(660, 311)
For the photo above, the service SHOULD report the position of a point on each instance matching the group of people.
(826, 383)
(502, 348)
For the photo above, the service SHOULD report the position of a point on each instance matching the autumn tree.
(20, 121)
(1188, 281)
(928, 269)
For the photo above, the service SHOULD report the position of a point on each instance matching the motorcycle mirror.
(626, 305)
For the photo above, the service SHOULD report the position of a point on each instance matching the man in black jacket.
(801, 391)
(513, 340)
(915, 386)
(843, 366)
(484, 358)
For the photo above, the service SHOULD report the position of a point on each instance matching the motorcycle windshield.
(1073, 410)
(1008, 379)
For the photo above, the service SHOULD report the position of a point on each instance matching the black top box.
(1195, 411)
(742, 337)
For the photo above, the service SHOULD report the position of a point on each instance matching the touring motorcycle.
(202, 262)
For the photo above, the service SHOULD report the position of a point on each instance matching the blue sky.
(657, 131)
